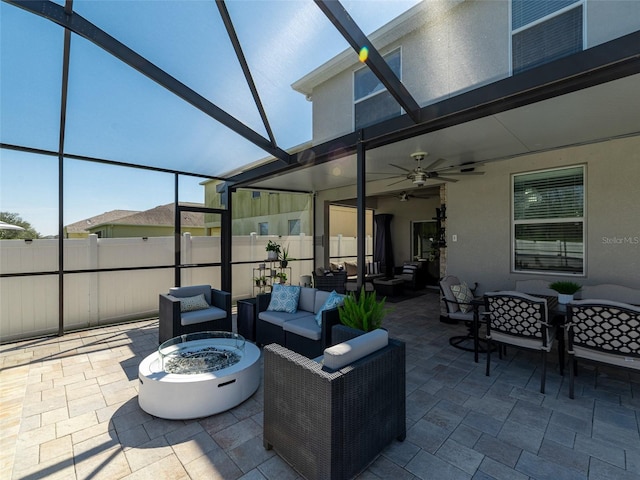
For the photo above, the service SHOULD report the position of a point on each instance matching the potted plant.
(565, 289)
(273, 250)
(282, 277)
(284, 257)
(364, 312)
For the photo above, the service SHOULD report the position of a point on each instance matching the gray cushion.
(305, 327)
(307, 300)
(348, 352)
(278, 318)
(192, 291)
(321, 297)
(199, 316)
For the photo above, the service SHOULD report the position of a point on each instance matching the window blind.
(553, 39)
(524, 12)
(548, 223)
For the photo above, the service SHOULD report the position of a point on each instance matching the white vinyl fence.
(29, 304)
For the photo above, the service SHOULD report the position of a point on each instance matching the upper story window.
(294, 227)
(372, 102)
(543, 31)
(548, 233)
(263, 228)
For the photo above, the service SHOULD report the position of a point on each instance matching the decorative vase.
(284, 263)
(564, 298)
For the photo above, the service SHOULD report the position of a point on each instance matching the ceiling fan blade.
(401, 168)
(461, 173)
(446, 179)
(382, 173)
(433, 165)
(394, 183)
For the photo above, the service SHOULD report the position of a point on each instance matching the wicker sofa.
(331, 424)
(297, 331)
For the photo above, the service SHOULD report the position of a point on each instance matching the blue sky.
(116, 113)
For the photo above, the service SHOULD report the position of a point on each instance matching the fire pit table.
(197, 375)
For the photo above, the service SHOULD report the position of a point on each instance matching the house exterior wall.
(467, 46)
(274, 208)
(479, 214)
(611, 19)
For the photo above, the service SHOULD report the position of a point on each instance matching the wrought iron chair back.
(605, 332)
(605, 326)
(520, 320)
(517, 314)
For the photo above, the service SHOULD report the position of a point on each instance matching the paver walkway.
(68, 409)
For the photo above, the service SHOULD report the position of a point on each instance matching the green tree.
(15, 219)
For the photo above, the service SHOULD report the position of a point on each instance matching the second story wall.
(448, 48)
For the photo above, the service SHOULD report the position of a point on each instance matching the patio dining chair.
(457, 298)
(603, 331)
(519, 320)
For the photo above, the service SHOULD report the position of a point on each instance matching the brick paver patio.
(68, 409)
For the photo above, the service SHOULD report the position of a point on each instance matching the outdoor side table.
(246, 318)
(389, 287)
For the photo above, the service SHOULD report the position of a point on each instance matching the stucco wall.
(479, 213)
(611, 19)
(465, 47)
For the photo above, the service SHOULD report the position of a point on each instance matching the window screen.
(548, 221)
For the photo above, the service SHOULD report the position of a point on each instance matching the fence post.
(94, 279)
(187, 255)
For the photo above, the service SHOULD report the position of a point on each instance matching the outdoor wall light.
(28, 240)
(145, 239)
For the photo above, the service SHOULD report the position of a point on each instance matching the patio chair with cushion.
(196, 308)
(457, 297)
(603, 331)
(520, 320)
(330, 281)
(330, 417)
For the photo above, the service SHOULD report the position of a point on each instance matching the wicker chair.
(173, 322)
(331, 281)
(603, 331)
(332, 424)
(520, 320)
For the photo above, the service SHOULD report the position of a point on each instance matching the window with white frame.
(548, 232)
(543, 31)
(294, 227)
(372, 102)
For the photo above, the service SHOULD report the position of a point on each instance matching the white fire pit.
(197, 375)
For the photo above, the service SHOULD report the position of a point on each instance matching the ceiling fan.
(406, 196)
(420, 175)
